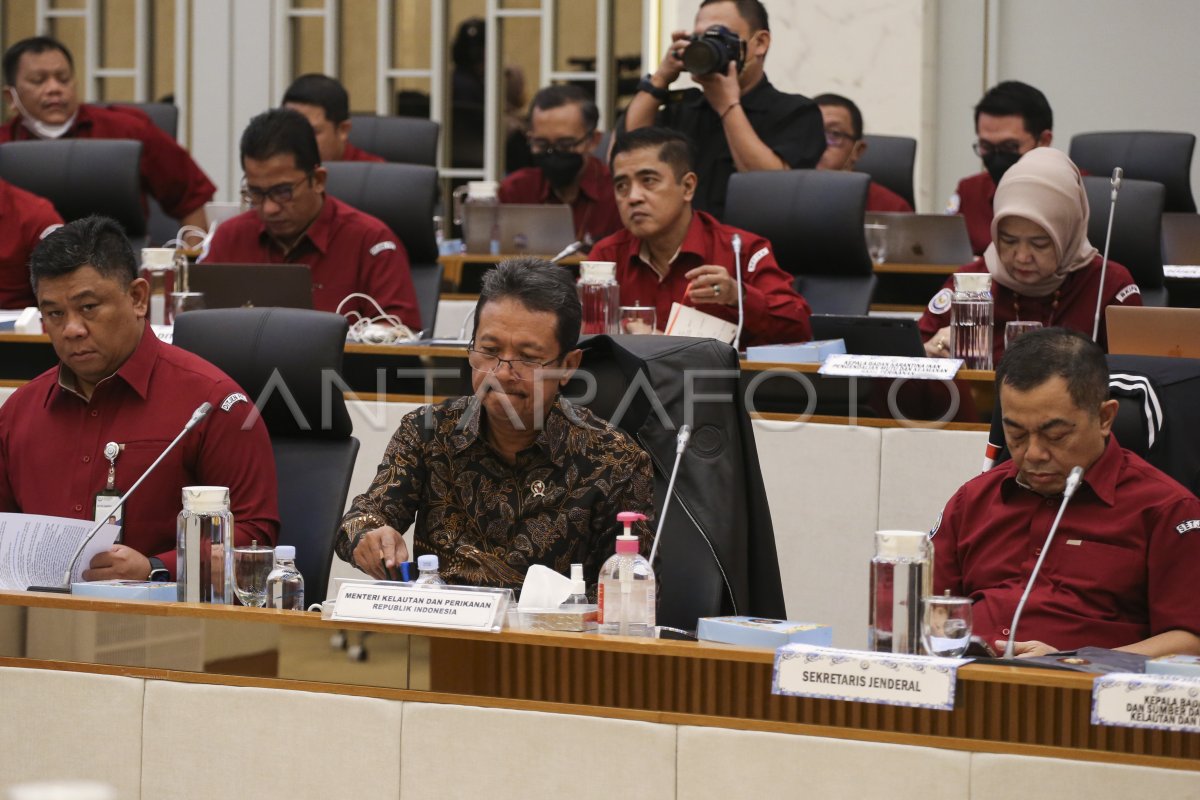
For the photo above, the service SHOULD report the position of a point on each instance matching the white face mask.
(38, 128)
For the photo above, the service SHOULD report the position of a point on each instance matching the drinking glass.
(638, 319)
(1015, 328)
(876, 241)
(946, 625)
(251, 566)
(186, 301)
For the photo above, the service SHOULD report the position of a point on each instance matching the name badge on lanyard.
(105, 507)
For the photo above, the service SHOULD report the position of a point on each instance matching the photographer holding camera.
(739, 122)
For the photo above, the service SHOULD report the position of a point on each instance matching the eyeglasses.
(559, 145)
(838, 139)
(279, 194)
(985, 149)
(521, 368)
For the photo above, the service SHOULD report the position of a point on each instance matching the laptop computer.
(1148, 331)
(925, 238)
(523, 228)
(252, 285)
(871, 336)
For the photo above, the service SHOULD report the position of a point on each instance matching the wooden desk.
(998, 709)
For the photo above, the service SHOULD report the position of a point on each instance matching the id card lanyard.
(106, 500)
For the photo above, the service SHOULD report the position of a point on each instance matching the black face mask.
(560, 168)
(997, 163)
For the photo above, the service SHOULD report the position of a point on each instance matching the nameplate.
(1165, 703)
(441, 607)
(1176, 271)
(857, 366)
(886, 678)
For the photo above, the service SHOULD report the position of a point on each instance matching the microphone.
(1068, 492)
(681, 445)
(1117, 174)
(197, 415)
(569, 250)
(736, 241)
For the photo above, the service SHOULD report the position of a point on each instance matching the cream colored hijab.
(1044, 187)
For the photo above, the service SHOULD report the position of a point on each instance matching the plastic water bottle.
(429, 575)
(578, 588)
(285, 584)
(600, 297)
(971, 311)
(627, 591)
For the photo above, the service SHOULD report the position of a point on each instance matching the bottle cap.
(206, 498)
(972, 282)
(427, 563)
(285, 551)
(597, 271)
(158, 256)
(627, 545)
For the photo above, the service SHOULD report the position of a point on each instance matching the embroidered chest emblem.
(538, 488)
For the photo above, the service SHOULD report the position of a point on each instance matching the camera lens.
(703, 56)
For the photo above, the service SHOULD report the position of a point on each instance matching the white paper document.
(36, 550)
(687, 321)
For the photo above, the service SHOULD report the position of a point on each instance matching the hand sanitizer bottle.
(627, 592)
(578, 588)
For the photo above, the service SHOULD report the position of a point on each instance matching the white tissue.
(543, 588)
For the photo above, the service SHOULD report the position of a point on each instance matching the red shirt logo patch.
(1190, 525)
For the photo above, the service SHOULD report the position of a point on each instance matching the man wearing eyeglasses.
(294, 221)
(844, 145)
(562, 136)
(1010, 120)
(513, 475)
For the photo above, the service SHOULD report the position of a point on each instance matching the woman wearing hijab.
(1043, 268)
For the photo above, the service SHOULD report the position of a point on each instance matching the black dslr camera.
(712, 51)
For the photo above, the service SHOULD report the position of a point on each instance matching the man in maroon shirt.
(562, 136)
(326, 105)
(1122, 569)
(669, 253)
(24, 219)
(844, 145)
(1010, 120)
(294, 221)
(119, 389)
(39, 77)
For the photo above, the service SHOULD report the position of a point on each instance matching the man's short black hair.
(560, 95)
(281, 131)
(35, 45)
(322, 91)
(1036, 357)
(753, 11)
(674, 149)
(95, 241)
(838, 101)
(539, 286)
(1013, 98)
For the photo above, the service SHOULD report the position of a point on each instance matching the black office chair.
(402, 196)
(1161, 156)
(82, 177)
(717, 554)
(1136, 233)
(400, 140)
(814, 220)
(890, 161)
(283, 357)
(164, 115)
(427, 283)
(160, 228)
(1181, 239)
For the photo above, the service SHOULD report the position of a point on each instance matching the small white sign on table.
(1165, 703)
(1181, 271)
(846, 365)
(404, 604)
(887, 678)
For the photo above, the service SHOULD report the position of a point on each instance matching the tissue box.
(577, 619)
(127, 590)
(804, 353)
(1174, 665)
(760, 632)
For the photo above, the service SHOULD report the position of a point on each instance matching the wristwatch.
(158, 571)
(647, 86)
